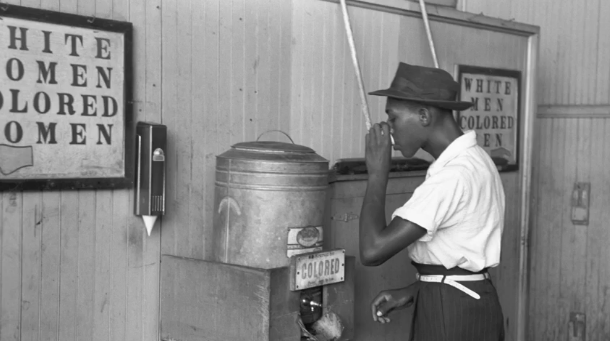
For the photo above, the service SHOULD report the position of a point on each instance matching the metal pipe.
(424, 13)
(352, 46)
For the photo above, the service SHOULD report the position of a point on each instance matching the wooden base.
(204, 300)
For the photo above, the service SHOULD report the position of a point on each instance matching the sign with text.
(63, 98)
(317, 268)
(495, 111)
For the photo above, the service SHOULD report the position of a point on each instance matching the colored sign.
(62, 101)
(494, 115)
(317, 268)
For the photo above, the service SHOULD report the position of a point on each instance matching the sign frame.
(296, 260)
(512, 165)
(128, 133)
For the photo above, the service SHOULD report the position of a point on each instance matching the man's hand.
(378, 150)
(389, 300)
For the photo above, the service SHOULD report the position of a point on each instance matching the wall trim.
(446, 15)
(573, 111)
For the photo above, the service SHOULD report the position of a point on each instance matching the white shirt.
(461, 205)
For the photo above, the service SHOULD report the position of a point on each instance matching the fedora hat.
(424, 85)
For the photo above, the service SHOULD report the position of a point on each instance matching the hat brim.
(451, 105)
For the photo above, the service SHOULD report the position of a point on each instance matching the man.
(452, 225)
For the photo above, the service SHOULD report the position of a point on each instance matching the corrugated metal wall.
(77, 265)
(568, 263)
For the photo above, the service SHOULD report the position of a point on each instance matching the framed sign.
(65, 101)
(494, 116)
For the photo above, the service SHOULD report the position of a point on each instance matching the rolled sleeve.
(434, 202)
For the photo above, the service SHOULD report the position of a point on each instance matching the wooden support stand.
(204, 300)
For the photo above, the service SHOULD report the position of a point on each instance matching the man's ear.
(424, 116)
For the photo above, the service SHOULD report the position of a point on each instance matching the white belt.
(453, 281)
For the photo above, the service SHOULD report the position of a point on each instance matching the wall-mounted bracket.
(580, 203)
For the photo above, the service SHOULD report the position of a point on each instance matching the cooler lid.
(273, 147)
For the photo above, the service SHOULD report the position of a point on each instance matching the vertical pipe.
(350, 39)
(424, 14)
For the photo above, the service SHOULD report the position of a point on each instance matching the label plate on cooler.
(317, 268)
(304, 240)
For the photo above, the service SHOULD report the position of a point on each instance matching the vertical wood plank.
(102, 265)
(172, 232)
(68, 312)
(136, 234)
(603, 294)
(120, 10)
(540, 229)
(583, 174)
(251, 61)
(152, 89)
(313, 113)
(556, 228)
(50, 257)
(264, 120)
(233, 41)
(297, 69)
(273, 56)
(10, 294)
(103, 9)
(286, 10)
(31, 265)
(68, 6)
(121, 208)
(182, 127)
(211, 111)
(85, 251)
(602, 85)
(85, 271)
(197, 218)
(325, 105)
(51, 5)
(596, 224)
(137, 16)
(566, 282)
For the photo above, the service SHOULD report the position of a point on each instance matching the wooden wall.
(568, 263)
(77, 265)
(330, 90)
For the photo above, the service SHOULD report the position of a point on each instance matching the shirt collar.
(467, 140)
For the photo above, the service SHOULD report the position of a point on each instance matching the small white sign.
(316, 269)
(303, 240)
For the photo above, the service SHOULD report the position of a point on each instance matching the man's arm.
(379, 242)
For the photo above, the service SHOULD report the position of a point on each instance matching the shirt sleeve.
(434, 202)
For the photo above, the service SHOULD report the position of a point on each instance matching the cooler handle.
(276, 130)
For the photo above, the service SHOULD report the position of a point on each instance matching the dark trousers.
(444, 313)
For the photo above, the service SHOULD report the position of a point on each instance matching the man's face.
(405, 126)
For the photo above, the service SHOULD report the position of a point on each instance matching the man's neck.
(441, 137)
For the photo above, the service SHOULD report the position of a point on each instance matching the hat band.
(410, 89)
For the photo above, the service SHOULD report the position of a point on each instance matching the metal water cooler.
(271, 277)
